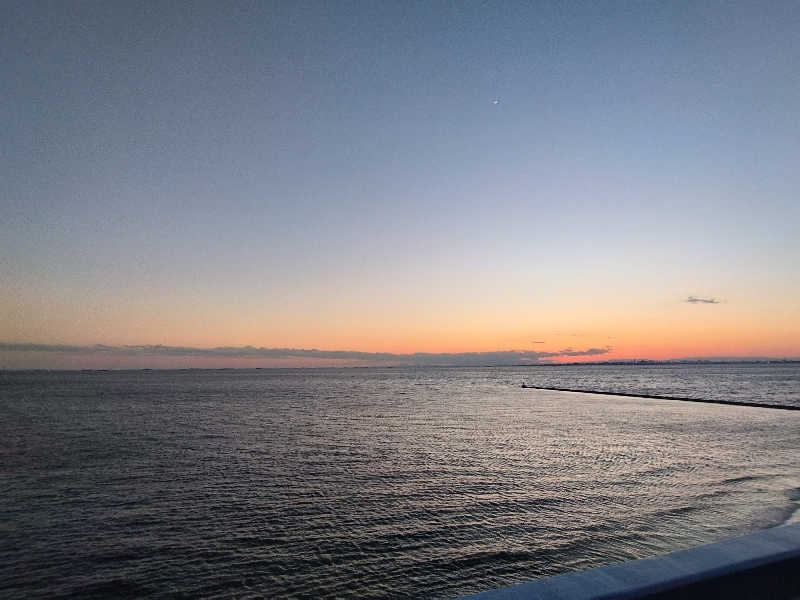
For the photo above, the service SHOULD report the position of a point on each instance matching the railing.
(765, 564)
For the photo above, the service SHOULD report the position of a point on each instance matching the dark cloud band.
(503, 357)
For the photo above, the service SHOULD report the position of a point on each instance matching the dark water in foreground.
(367, 482)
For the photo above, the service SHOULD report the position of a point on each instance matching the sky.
(473, 181)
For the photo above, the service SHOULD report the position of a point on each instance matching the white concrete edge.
(650, 575)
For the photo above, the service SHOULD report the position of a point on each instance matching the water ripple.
(363, 483)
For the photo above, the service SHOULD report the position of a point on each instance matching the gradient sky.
(404, 177)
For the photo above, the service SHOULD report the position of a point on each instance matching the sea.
(378, 482)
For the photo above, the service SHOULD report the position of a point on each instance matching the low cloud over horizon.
(491, 358)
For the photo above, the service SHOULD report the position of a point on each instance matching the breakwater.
(659, 397)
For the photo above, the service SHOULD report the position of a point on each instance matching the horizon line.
(159, 356)
(614, 362)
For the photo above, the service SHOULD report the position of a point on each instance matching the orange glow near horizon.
(638, 328)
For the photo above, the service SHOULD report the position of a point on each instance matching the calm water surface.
(373, 482)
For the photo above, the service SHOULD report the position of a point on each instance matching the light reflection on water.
(353, 483)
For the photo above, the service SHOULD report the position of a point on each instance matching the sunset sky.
(567, 181)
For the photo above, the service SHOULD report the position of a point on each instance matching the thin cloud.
(588, 352)
(502, 357)
(696, 300)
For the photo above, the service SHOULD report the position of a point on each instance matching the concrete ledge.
(765, 564)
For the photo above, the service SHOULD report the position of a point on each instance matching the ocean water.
(381, 483)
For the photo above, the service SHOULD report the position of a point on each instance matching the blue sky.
(338, 175)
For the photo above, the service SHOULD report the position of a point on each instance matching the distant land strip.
(704, 400)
